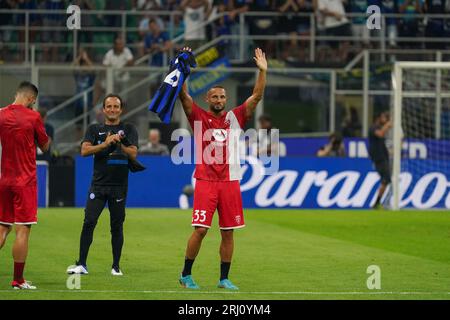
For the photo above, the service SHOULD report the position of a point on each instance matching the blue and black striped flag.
(164, 100)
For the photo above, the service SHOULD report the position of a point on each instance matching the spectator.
(87, 20)
(52, 21)
(34, 20)
(304, 26)
(196, 12)
(222, 27)
(295, 25)
(263, 25)
(154, 146)
(333, 22)
(158, 44)
(409, 26)
(436, 27)
(178, 26)
(390, 7)
(144, 24)
(236, 8)
(47, 156)
(119, 57)
(144, 27)
(6, 19)
(170, 5)
(288, 24)
(84, 80)
(352, 126)
(146, 5)
(359, 27)
(334, 148)
(115, 20)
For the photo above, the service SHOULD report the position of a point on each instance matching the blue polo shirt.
(157, 58)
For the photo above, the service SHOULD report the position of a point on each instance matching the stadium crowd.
(155, 31)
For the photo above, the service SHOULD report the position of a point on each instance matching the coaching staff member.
(379, 153)
(113, 145)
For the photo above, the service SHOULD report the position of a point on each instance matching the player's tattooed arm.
(258, 90)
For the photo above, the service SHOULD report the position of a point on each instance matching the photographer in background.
(334, 148)
(379, 153)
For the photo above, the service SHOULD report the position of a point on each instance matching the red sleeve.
(39, 132)
(241, 114)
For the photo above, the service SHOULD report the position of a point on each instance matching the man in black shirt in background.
(379, 153)
(113, 145)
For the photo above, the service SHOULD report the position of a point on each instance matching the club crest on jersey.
(92, 196)
(220, 135)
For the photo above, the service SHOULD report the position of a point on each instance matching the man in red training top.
(21, 128)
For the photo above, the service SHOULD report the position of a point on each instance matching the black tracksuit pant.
(98, 198)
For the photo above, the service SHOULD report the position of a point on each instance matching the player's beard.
(217, 109)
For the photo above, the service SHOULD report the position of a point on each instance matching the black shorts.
(384, 170)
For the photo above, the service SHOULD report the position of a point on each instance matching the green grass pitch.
(281, 254)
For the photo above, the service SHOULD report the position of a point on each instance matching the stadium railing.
(321, 96)
(25, 29)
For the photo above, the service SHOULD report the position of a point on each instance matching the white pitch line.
(231, 292)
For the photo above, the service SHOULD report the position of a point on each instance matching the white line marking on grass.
(238, 292)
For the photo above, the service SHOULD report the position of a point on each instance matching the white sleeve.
(107, 59)
(321, 4)
(128, 54)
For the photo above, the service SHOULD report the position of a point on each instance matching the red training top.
(20, 129)
(217, 143)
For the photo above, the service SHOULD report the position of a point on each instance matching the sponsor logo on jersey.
(220, 135)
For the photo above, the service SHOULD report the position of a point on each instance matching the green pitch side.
(281, 254)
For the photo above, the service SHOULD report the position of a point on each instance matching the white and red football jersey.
(217, 143)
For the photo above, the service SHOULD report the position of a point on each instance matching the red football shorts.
(225, 196)
(18, 205)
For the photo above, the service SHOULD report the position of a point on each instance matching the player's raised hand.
(260, 59)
